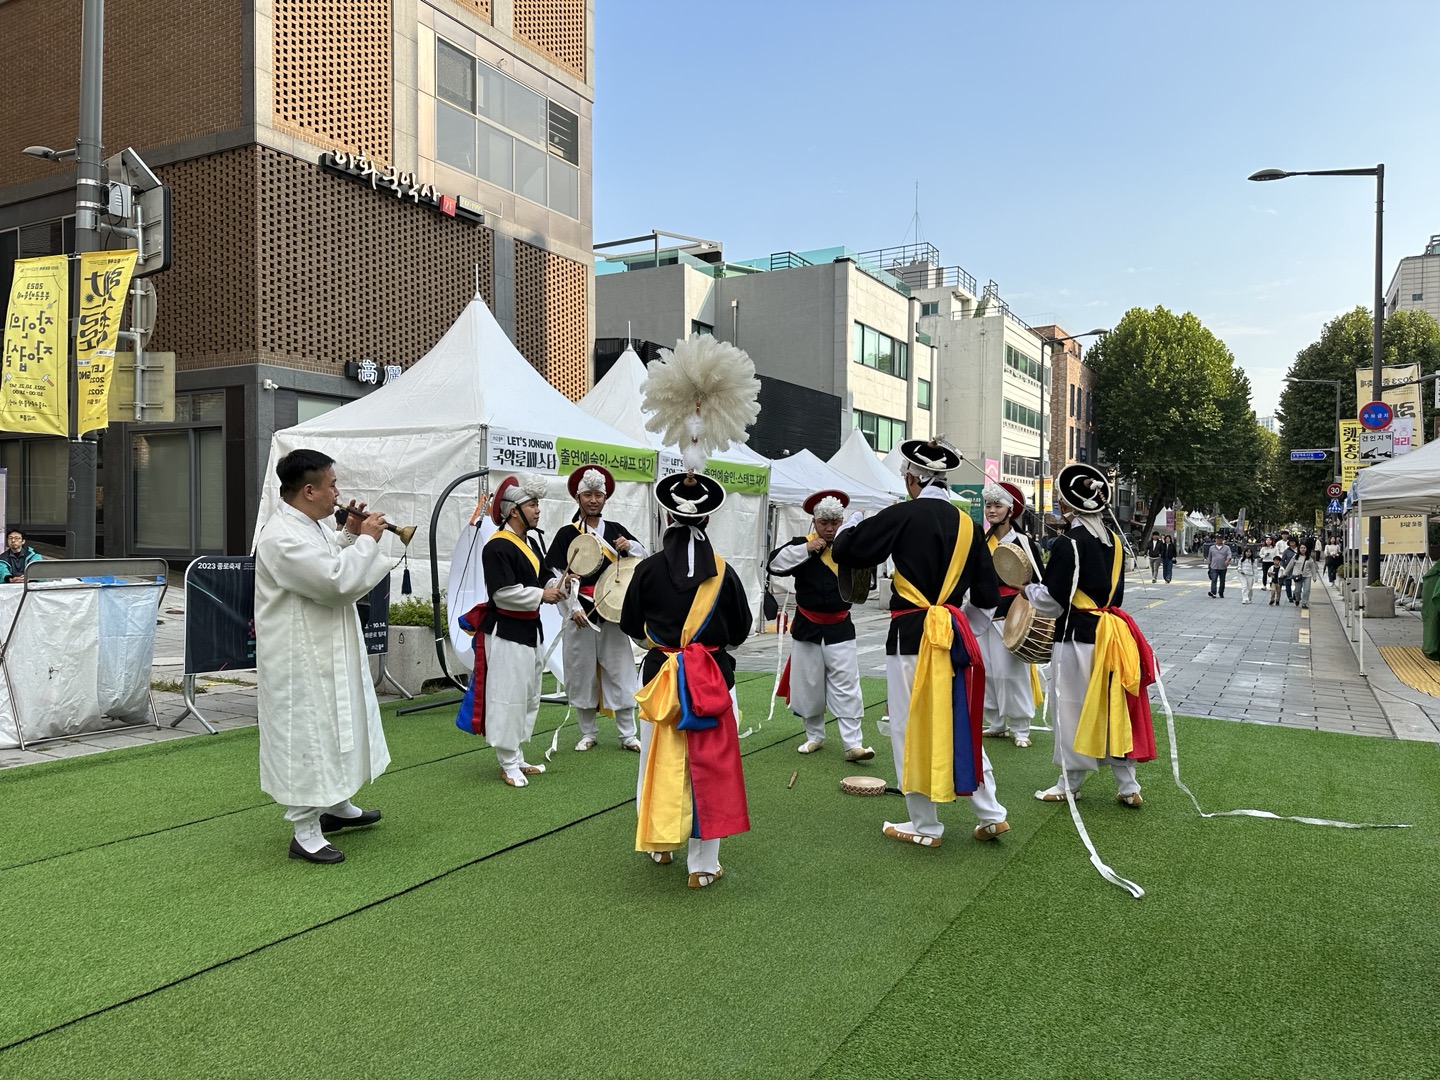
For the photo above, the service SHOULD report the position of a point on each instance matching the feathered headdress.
(701, 397)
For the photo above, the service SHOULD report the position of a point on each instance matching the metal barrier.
(1405, 574)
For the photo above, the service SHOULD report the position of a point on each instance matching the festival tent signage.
(34, 387)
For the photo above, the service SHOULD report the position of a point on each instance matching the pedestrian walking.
(1156, 552)
(1332, 557)
(1248, 563)
(1218, 560)
(1303, 570)
(1167, 557)
(1267, 555)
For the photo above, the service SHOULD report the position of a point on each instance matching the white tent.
(795, 478)
(401, 445)
(856, 460)
(738, 529)
(1404, 485)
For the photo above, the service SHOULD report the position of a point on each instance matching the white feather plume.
(701, 397)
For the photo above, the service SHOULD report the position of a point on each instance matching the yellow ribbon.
(1104, 728)
(523, 546)
(1035, 687)
(929, 736)
(825, 556)
(666, 805)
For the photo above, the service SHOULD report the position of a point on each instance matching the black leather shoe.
(328, 823)
(326, 854)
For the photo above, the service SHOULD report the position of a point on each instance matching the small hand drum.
(610, 589)
(584, 555)
(1012, 567)
(862, 785)
(1028, 635)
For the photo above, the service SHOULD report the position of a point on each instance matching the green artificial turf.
(480, 930)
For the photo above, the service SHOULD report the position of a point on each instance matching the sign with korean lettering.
(387, 180)
(104, 281)
(33, 388)
(1376, 446)
(1349, 451)
(732, 476)
(624, 463)
(522, 451)
(1404, 401)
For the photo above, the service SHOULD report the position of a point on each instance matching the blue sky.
(1089, 157)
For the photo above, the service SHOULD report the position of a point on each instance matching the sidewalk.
(1254, 664)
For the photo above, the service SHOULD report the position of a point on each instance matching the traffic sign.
(1333, 491)
(1376, 446)
(1335, 507)
(1376, 416)
(1307, 455)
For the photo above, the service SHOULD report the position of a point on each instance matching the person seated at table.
(18, 555)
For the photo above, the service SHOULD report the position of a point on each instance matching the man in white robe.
(320, 734)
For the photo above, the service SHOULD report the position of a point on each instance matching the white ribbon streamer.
(555, 739)
(1175, 772)
(781, 623)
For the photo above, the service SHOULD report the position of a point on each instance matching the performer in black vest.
(599, 666)
(823, 668)
(1083, 588)
(688, 607)
(935, 701)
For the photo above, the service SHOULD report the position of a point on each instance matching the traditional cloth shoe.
(661, 858)
(859, 753)
(991, 831)
(1133, 800)
(996, 733)
(1021, 741)
(1054, 794)
(531, 770)
(701, 878)
(905, 836)
(632, 744)
(809, 746)
(587, 743)
(514, 777)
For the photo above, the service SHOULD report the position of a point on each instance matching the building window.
(698, 327)
(1072, 443)
(881, 432)
(929, 307)
(1018, 361)
(1416, 297)
(1021, 414)
(1072, 389)
(491, 126)
(1089, 406)
(922, 393)
(880, 351)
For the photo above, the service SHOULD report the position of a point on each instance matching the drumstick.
(792, 779)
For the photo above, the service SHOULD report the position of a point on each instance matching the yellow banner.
(104, 281)
(1404, 400)
(1349, 451)
(1402, 535)
(33, 388)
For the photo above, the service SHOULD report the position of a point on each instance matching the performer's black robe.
(505, 564)
(1096, 563)
(816, 589)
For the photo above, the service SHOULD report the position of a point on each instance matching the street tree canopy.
(1307, 409)
(1172, 410)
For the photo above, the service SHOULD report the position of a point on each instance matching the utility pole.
(89, 201)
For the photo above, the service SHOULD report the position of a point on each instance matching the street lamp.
(1045, 392)
(1378, 171)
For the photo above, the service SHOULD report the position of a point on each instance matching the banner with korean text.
(33, 388)
(737, 477)
(104, 281)
(1398, 535)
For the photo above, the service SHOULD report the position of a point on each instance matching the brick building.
(345, 175)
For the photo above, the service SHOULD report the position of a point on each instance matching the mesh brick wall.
(551, 318)
(555, 29)
(278, 262)
(479, 7)
(333, 73)
(173, 71)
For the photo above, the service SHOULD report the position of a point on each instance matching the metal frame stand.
(382, 676)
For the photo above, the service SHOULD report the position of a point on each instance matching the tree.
(1173, 412)
(1307, 410)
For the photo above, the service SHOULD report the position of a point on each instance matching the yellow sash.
(929, 738)
(825, 556)
(523, 546)
(1104, 728)
(666, 806)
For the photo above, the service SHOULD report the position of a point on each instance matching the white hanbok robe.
(320, 734)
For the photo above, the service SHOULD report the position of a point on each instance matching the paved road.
(1254, 664)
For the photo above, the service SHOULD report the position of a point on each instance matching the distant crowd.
(1285, 563)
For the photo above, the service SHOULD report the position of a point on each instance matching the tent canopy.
(856, 460)
(795, 478)
(400, 446)
(1409, 484)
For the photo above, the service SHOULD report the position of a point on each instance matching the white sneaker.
(632, 744)
(809, 746)
(859, 753)
(586, 743)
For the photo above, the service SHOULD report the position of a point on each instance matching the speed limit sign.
(1334, 491)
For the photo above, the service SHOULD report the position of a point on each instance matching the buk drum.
(1028, 635)
(1012, 567)
(584, 555)
(610, 588)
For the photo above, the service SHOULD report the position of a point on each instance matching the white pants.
(703, 856)
(600, 669)
(924, 812)
(1247, 587)
(306, 819)
(824, 676)
(1070, 671)
(512, 695)
(1009, 693)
